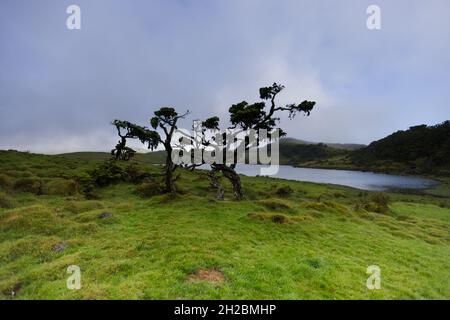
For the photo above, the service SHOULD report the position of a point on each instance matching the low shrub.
(29, 184)
(107, 173)
(274, 204)
(284, 191)
(135, 174)
(150, 188)
(6, 182)
(339, 194)
(5, 201)
(280, 218)
(379, 203)
(275, 218)
(83, 206)
(61, 187)
(19, 173)
(85, 183)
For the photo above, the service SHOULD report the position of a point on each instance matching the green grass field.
(313, 242)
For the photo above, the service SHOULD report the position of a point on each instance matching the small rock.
(104, 215)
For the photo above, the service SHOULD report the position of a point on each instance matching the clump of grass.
(40, 220)
(5, 201)
(377, 202)
(6, 181)
(37, 219)
(339, 194)
(60, 187)
(149, 189)
(83, 206)
(275, 204)
(276, 218)
(40, 247)
(284, 191)
(29, 184)
(315, 263)
(19, 173)
(381, 199)
(326, 206)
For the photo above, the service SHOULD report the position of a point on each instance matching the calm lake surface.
(355, 179)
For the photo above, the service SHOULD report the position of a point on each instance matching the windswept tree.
(259, 115)
(165, 119)
(127, 130)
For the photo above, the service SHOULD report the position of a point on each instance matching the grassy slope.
(148, 247)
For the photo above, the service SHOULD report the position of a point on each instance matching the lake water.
(355, 179)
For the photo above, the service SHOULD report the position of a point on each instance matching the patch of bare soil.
(211, 275)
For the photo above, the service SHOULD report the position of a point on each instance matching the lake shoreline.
(363, 180)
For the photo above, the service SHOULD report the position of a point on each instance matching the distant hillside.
(156, 157)
(420, 149)
(344, 146)
(296, 153)
(292, 151)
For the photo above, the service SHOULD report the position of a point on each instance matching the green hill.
(343, 146)
(419, 150)
(297, 153)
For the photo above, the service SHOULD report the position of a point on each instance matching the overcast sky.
(60, 88)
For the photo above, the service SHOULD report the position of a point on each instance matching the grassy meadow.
(285, 240)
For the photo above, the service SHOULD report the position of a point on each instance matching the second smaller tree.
(165, 119)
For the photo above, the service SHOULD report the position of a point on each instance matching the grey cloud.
(60, 89)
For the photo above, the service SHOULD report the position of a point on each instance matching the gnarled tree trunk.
(230, 173)
(169, 169)
(214, 180)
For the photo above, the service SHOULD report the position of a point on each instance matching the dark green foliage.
(211, 123)
(135, 174)
(165, 119)
(377, 202)
(381, 200)
(280, 218)
(86, 183)
(150, 188)
(284, 191)
(248, 115)
(257, 116)
(61, 187)
(107, 173)
(127, 130)
(5, 201)
(6, 181)
(163, 116)
(29, 184)
(104, 174)
(298, 153)
(422, 148)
